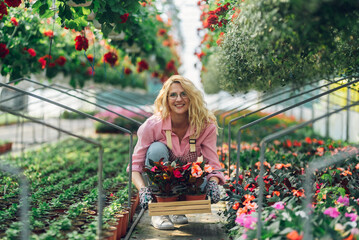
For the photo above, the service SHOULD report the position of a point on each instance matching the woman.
(180, 117)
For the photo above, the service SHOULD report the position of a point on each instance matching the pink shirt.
(153, 130)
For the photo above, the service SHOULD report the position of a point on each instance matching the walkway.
(200, 227)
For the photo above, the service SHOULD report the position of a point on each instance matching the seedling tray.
(179, 207)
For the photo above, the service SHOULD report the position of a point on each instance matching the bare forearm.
(138, 180)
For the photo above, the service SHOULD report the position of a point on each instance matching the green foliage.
(275, 43)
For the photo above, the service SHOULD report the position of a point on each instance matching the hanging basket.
(73, 4)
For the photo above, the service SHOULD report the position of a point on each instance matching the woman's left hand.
(213, 191)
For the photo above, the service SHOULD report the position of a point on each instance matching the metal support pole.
(327, 119)
(347, 137)
(24, 201)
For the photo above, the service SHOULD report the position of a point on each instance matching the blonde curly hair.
(198, 114)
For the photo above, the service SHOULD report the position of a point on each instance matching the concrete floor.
(200, 227)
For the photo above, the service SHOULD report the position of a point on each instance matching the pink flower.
(352, 216)
(177, 173)
(271, 216)
(153, 169)
(246, 221)
(332, 212)
(279, 205)
(344, 200)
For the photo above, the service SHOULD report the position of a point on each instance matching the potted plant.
(195, 174)
(167, 180)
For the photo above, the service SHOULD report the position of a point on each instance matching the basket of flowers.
(172, 183)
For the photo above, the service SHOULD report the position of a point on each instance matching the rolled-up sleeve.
(145, 138)
(209, 151)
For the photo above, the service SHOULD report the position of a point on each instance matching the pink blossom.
(344, 200)
(352, 216)
(279, 205)
(177, 173)
(153, 169)
(271, 216)
(332, 212)
(246, 221)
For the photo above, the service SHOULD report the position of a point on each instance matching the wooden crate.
(179, 207)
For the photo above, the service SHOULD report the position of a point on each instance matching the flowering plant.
(195, 174)
(167, 178)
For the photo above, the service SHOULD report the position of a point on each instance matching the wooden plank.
(179, 203)
(179, 207)
(174, 212)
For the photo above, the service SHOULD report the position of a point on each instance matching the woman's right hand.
(145, 197)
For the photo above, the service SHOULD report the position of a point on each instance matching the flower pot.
(166, 198)
(73, 4)
(195, 197)
(120, 218)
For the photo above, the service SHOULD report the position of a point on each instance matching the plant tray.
(179, 207)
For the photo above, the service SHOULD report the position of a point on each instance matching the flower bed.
(63, 183)
(335, 205)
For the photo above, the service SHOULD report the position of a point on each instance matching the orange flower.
(350, 237)
(346, 173)
(276, 193)
(357, 166)
(265, 164)
(196, 170)
(241, 211)
(298, 193)
(208, 168)
(294, 235)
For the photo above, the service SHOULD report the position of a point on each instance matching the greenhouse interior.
(266, 91)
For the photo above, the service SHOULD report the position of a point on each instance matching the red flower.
(61, 61)
(170, 67)
(155, 74)
(212, 19)
(124, 17)
(3, 50)
(13, 3)
(161, 32)
(110, 58)
(142, 65)
(90, 58)
(32, 52)
(177, 173)
(89, 71)
(14, 21)
(52, 64)
(308, 140)
(127, 71)
(81, 42)
(43, 61)
(49, 33)
(3, 10)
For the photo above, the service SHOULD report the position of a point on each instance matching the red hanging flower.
(3, 10)
(142, 65)
(90, 58)
(13, 3)
(14, 21)
(89, 71)
(162, 32)
(81, 42)
(155, 74)
(170, 67)
(127, 71)
(49, 33)
(31, 51)
(110, 58)
(3, 50)
(43, 60)
(124, 17)
(61, 61)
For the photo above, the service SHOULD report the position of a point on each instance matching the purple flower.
(246, 221)
(332, 212)
(344, 200)
(352, 216)
(279, 205)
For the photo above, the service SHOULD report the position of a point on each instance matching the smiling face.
(178, 100)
